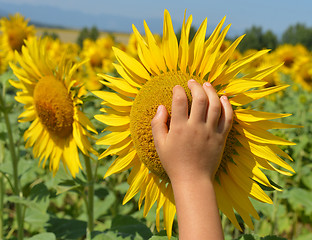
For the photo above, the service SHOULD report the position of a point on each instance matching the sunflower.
(99, 52)
(289, 54)
(146, 83)
(58, 126)
(14, 31)
(302, 72)
(56, 48)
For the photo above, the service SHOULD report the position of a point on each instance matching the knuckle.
(200, 99)
(216, 108)
(179, 98)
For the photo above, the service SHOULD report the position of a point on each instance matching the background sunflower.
(58, 126)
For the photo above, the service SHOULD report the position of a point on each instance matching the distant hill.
(53, 17)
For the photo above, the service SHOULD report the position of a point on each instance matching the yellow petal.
(266, 125)
(143, 188)
(169, 211)
(247, 162)
(197, 47)
(119, 85)
(184, 43)
(170, 43)
(114, 98)
(240, 198)
(113, 138)
(113, 120)
(152, 192)
(248, 185)
(138, 174)
(28, 100)
(28, 115)
(259, 135)
(121, 163)
(248, 115)
(127, 77)
(240, 85)
(126, 144)
(264, 72)
(155, 50)
(130, 64)
(160, 202)
(85, 122)
(264, 152)
(224, 204)
(247, 97)
(144, 54)
(215, 34)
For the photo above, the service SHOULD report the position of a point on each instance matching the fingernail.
(208, 84)
(224, 97)
(192, 81)
(158, 109)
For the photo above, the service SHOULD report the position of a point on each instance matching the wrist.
(193, 183)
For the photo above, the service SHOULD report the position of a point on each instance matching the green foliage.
(85, 33)
(256, 39)
(298, 33)
(52, 35)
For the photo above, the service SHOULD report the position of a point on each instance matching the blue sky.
(276, 15)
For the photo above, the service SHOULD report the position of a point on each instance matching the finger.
(214, 108)
(226, 119)
(159, 125)
(199, 102)
(179, 109)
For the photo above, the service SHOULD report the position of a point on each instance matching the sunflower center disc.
(157, 91)
(54, 106)
(16, 38)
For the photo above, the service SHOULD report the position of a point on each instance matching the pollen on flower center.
(155, 92)
(54, 106)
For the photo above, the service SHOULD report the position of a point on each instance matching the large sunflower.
(58, 126)
(146, 83)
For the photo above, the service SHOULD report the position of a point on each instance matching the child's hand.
(190, 152)
(192, 148)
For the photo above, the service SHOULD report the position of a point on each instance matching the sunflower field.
(77, 158)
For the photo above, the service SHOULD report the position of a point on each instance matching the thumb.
(159, 125)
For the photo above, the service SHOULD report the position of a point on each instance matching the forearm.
(197, 210)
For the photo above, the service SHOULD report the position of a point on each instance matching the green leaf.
(307, 181)
(299, 199)
(39, 192)
(67, 228)
(307, 236)
(272, 238)
(70, 185)
(103, 205)
(247, 237)
(162, 238)
(20, 200)
(4, 77)
(37, 217)
(43, 236)
(62, 189)
(114, 236)
(127, 225)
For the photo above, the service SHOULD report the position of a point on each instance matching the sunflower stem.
(275, 205)
(2, 192)
(90, 200)
(15, 160)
